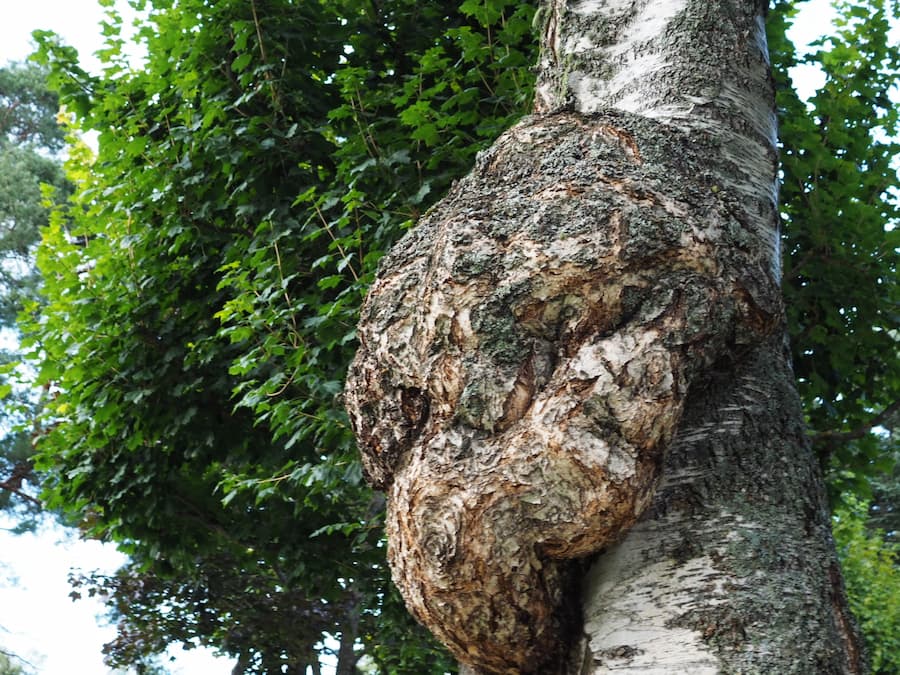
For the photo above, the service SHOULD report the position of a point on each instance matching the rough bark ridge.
(732, 568)
(525, 356)
(526, 352)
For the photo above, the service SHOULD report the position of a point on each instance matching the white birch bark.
(575, 357)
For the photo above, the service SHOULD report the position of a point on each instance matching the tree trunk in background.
(579, 346)
(347, 658)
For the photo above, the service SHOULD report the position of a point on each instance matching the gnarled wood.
(525, 356)
(528, 352)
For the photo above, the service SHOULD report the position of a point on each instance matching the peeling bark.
(528, 351)
(524, 361)
(732, 568)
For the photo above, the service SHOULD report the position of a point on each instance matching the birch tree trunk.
(572, 382)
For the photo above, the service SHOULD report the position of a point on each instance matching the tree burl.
(525, 355)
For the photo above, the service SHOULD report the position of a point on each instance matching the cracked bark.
(576, 357)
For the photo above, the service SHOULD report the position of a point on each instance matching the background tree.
(839, 207)
(9, 665)
(870, 569)
(30, 140)
(204, 282)
(841, 241)
(30, 143)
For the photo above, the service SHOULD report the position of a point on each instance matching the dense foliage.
(202, 286)
(202, 293)
(30, 139)
(872, 577)
(841, 205)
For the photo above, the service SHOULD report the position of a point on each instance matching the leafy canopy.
(30, 139)
(872, 577)
(840, 203)
(202, 287)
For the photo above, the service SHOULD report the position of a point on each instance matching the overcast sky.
(37, 618)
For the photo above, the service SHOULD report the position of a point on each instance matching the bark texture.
(695, 65)
(528, 352)
(525, 358)
(732, 568)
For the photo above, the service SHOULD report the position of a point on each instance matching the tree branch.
(14, 483)
(18, 491)
(835, 437)
(13, 655)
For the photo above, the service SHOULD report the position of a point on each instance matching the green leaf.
(241, 62)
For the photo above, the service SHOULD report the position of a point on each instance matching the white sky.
(35, 611)
(37, 618)
(40, 623)
(77, 21)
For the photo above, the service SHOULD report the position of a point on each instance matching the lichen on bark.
(525, 355)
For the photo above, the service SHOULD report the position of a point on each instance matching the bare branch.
(837, 437)
(4, 485)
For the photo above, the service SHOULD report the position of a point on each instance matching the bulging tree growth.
(602, 328)
(527, 353)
